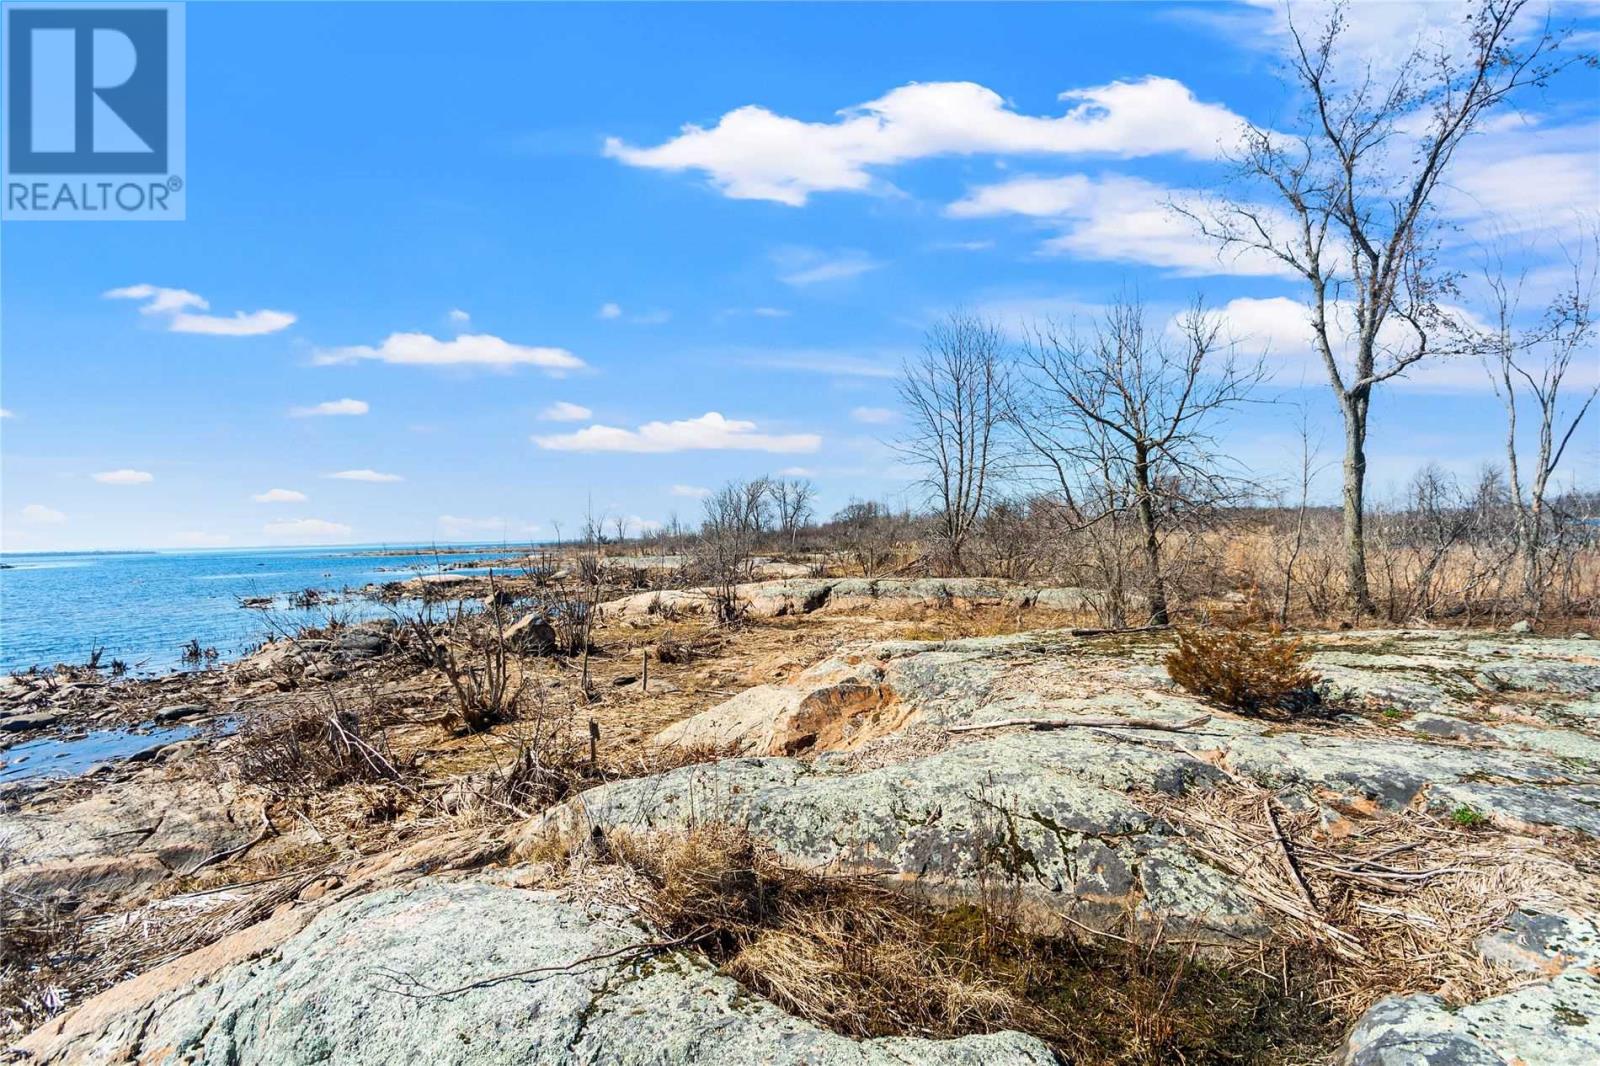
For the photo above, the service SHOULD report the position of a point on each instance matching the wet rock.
(19, 723)
(345, 989)
(180, 711)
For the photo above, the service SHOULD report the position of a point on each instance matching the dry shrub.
(1391, 904)
(41, 944)
(865, 960)
(300, 750)
(1258, 673)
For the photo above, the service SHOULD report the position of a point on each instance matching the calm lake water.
(144, 607)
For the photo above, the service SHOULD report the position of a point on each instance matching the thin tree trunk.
(1156, 588)
(1355, 481)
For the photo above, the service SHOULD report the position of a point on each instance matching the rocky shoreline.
(1434, 831)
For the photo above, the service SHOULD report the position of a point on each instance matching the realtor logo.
(93, 111)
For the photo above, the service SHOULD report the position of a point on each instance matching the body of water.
(144, 607)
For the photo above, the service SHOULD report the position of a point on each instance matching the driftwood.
(1088, 723)
(266, 830)
(1114, 632)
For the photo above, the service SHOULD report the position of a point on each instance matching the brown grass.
(865, 960)
(1393, 903)
(1257, 673)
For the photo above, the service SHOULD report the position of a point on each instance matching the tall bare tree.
(954, 393)
(791, 499)
(1129, 412)
(1528, 367)
(1346, 201)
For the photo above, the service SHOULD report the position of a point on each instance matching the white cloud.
(709, 432)
(1280, 327)
(124, 477)
(458, 317)
(1524, 178)
(39, 514)
(613, 312)
(562, 411)
(769, 312)
(331, 407)
(306, 529)
(693, 492)
(5, 412)
(609, 310)
(797, 471)
(809, 266)
(364, 475)
(279, 496)
(176, 305)
(755, 154)
(469, 349)
(1115, 218)
(873, 416)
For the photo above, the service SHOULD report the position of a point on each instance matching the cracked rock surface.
(355, 986)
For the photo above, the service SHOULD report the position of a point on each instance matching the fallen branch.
(1287, 854)
(1087, 723)
(566, 967)
(266, 828)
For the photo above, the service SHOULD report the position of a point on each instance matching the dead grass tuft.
(1257, 673)
(866, 960)
(298, 750)
(1393, 903)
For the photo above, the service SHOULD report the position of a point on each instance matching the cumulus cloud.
(811, 266)
(279, 496)
(755, 154)
(5, 412)
(458, 317)
(39, 514)
(184, 312)
(468, 349)
(709, 432)
(124, 477)
(306, 529)
(1115, 218)
(1525, 178)
(363, 475)
(562, 411)
(873, 416)
(331, 407)
(1280, 327)
(609, 310)
(693, 492)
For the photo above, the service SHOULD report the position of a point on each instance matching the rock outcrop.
(418, 973)
(774, 599)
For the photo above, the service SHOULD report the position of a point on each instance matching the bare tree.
(1532, 365)
(1132, 410)
(955, 394)
(1350, 207)
(791, 497)
(870, 533)
(735, 516)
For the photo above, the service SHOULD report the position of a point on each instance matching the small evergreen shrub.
(1257, 673)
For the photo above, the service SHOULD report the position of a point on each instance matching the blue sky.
(461, 254)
